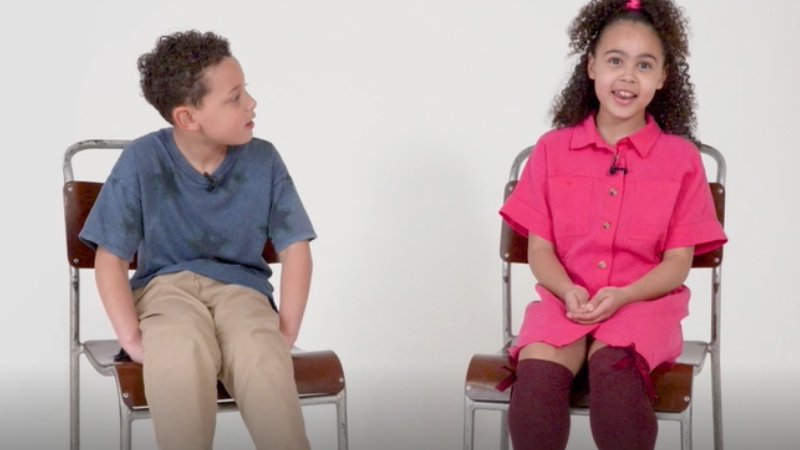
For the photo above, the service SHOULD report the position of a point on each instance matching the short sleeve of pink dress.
(526, 210)
(694, 220)
(609, 229)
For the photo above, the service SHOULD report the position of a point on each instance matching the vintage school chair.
(318, 374)
(673, 381)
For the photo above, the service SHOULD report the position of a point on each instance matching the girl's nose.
(628, 73)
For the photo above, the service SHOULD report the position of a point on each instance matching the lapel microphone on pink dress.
(614, 168)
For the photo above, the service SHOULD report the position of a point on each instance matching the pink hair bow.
(633, 4)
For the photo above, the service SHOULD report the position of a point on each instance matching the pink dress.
(610, 229)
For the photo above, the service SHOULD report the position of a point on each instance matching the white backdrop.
(398, 121)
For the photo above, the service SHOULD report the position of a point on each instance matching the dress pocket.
(652, 203)
(570, 199)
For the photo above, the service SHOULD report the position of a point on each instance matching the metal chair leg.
(716, 399)
(504, 430)
(74, 401)
(686, 429)
(125, 425)
(341, 419)
(469, 424)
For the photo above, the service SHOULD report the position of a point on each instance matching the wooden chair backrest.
(79, 197)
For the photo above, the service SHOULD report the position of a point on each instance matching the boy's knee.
(257, 347)
(252, 334)
(166, 346)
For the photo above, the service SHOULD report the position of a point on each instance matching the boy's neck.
(612, 130)
(201, 154)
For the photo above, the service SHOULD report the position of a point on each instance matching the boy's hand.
(135, 350)
(602, 306)
(575, 300)
(295, 283)
(289, 338)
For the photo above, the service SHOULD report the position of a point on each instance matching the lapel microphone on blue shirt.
(212, 183)
(614, 168)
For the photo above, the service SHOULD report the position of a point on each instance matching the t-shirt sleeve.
(288, 220)
(694, 220)
(526, 210)
(115, 221)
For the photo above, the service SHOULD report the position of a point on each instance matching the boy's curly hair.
(172, 74)
(673, 104)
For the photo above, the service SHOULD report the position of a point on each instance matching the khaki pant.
(196, 330)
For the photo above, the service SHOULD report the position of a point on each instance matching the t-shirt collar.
(642, 140)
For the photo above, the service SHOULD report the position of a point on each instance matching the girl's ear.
(590, 66)
(183, 119)
(663, 78)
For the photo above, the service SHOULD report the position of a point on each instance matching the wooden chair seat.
(673, 383)
(316, 373)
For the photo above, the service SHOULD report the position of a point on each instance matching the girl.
(615, 203)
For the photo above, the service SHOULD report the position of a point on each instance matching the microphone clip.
(614, 168)
(212, 183)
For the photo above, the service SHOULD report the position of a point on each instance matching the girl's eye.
(614, 61)
(644, 65)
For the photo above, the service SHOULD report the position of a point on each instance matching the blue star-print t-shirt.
(156, 205)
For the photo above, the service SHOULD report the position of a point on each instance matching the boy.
(196, 202)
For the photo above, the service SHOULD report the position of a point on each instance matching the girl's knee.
(609, 357)
(571, 356)
(612, 367)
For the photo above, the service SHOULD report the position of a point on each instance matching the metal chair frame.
(694, 351)
(101, 353)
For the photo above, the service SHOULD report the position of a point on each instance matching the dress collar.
(642, 140)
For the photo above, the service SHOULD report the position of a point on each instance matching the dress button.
(612, 192)
(601, 264)
(606, 225)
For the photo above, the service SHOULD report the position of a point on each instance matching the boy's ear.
(183, 118)
(590, 66)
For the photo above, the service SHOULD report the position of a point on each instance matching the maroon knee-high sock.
(538, 415)
(620, 412)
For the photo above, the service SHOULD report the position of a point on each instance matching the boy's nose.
(252, 102)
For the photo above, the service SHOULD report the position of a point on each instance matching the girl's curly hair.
(172, 74)
(673, 104)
